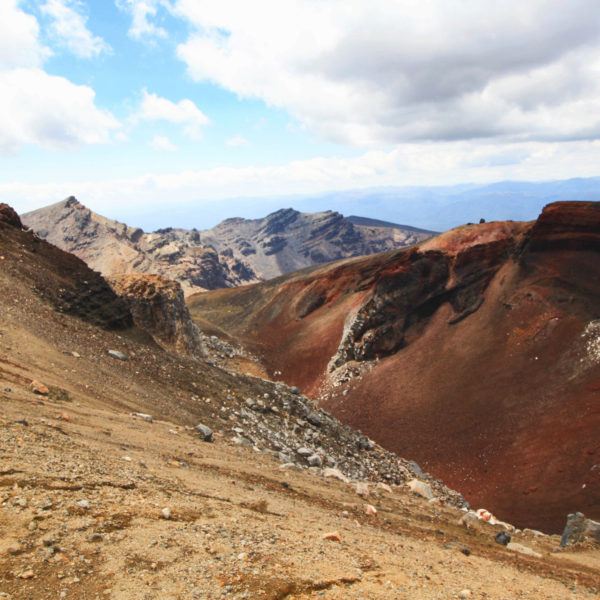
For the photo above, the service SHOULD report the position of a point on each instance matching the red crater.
(475, 353)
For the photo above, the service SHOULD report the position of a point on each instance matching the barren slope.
(97, 502)
(476, 353)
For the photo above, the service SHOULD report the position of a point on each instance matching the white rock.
(166, 513)
(523, 549)
(421, 488)
(336, 474)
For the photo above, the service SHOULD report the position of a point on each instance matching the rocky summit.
(235, 252)
(132, 468)
(474, 352)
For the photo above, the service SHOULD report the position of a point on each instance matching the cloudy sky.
(159, 103)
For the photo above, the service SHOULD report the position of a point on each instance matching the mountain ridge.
(235, 252)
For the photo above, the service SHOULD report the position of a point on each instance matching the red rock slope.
(476, 353)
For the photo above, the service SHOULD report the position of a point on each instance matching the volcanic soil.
(96, 502)
(475, 353)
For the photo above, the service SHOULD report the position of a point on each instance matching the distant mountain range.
(436, 208)
(235, 252)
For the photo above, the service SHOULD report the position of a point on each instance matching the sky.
(155, 105)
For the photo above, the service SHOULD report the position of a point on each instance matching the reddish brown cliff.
(476, 353)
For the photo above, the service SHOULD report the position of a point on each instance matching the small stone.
(95, 537)
(362, 489)
(49, 540)
(420, 488)
(335, 474)
(83, 503)
(29, 574)
(502, 538)
(143, 416)
(370, 510)
(522, 549)
(384, 486)
(14, 548)
(127, 458)
(205, 432)
(166, 513)
(37, 387)
(464, 594)
(332, 536)
(65, 417)
(314, 418)
(118, 355)
(315, 460)
(305, 452)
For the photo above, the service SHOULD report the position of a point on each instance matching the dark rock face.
(9, 216)
(408, 294)
(158, 306)
(59, 277)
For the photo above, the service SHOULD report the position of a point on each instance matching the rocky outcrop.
(236, 252)
(9, 216)
(578, 529)
(157, 305)
(476, 352)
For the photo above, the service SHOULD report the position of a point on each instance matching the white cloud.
(142, 12)
(19, 45)
(68, 28)
(184, 113)
(409, 164)
(378, 72)
(37, 108)
(161, 143)
(237, 141)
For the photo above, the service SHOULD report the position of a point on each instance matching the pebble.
(83, 503)
(166, 513)
(333, 536)
(37, 387)
(523, 549)
(205, 432)
(421, 488)
(14, 549)
(29, 574)
(143, 416)
(370, 510)
(335, 474)
(315, 460)
(362, 489)
(464, 594)
(118, 355)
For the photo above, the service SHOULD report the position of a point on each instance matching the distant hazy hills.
(235, 252)
(436, 208)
